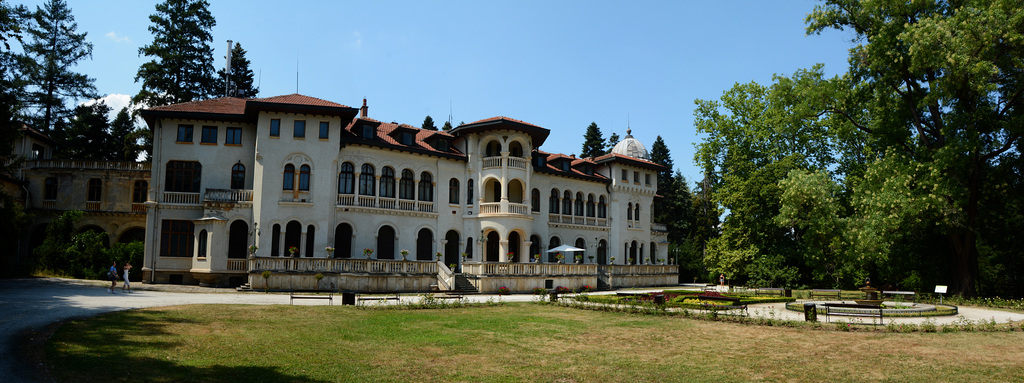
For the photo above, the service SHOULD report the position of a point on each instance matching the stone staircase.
(462, 284)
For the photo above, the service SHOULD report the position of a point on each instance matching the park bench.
(902, 294)
(378, 297)
(852, 310)
(305, 294)
(770, 291)
(732, 304)
(827, 293)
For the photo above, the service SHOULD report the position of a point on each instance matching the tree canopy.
(242, 82)
(593, 142)
(182, 66)
(428, 124)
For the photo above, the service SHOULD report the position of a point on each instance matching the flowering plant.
(367, 252)
(539, 291)
(511, 256)
(561, 289)
(559, 257)
(586, 288)
(404, 253)
(293, 250)
(504, 290)
(329, 249)
(438, 255)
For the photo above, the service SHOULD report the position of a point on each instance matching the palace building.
(303, 187)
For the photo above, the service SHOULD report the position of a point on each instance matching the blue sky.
(556, 64)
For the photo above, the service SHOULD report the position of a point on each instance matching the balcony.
(228, 195)
(381, 203)
(180, 198)
(529, 269)
(337, 265)
(659, 228)
(91, 165)
(517, 163)
(504, 208)
(577, 220)
(492, 162)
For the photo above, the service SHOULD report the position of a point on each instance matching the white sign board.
(940, 289)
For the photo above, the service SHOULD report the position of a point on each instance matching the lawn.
(507, 343)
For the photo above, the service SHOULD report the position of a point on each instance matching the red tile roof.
(300, 99)
(223, 105)
(500, 118)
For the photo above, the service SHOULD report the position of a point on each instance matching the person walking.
(127, 268)
(112, 274)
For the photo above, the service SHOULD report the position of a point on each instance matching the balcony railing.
(93, 205)
(504, 208)
(513, 268)
(659, 227)
(92, 165)
(640, 269)
(492, 162)
(181, 198)
(577, 220)
(385, 203)
(236, 265)
(139, 208)
(228, 195)
(334, 265)
(517, 162)
(51, 204)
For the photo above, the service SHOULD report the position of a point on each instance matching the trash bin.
(810, 312)
(348, 299)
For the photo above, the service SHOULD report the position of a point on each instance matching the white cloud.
(118, 38)
(358, 43)
(116, 102)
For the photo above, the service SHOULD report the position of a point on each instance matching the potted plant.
(330, 251)
(439, 255)
(612, 260)
(661, 261)
(367, 252)
(579, 258)
(252, 250)
(464, 256)
(511, 256)
(536, 257)
(591, 258)
(318, 277)
(405, 253)
(266, 281)
(293, 250)
(559, 257)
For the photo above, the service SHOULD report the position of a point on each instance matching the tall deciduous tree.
(593, 142)
(942, 83)
(242, 79)
(52, 50)
(428, 124)
(182, 66)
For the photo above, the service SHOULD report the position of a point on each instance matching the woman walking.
(127, 268)
(112, 274)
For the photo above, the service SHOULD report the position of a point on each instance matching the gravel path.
(28, 305)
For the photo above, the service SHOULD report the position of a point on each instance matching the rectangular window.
(234, 136)
(324, 126)
(176, 238)
(209, 135)
(139, 191)
(275, 127)
(300, 129)
(185, 133)
(625, 175)
(367, 131)
(406, 138)
(183, 176)
(50, 189)
(636, 177)
(647, 179)
(95, 190)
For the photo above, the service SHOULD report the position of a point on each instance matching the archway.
(451, 247)
(582, 244)
(516, 190)
(424, 245)
(238, 239)
(293, 238)
(654, 253)
(553, 243)
(343, 241)
(632, 253)
(535, 247)
(492, 246)
(514, 246)
(386, 242)
(492, 190)
(602, 252)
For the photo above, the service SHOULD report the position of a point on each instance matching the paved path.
(31, 304)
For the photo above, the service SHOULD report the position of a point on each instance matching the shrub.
(540, 290)
(504, 290)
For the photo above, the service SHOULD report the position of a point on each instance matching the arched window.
(453, 191)
(515, 149)
(288, 181)
(469, 192)
(238, 176)
(636, 212)
(629, 211)
(347, 179)
(406, 186)
(304, 177)
(426, 187)
(202, 244)
(602, 208)
(590, 205)
(535, 200)
(553, 202)
(385, 243)
(367, 180)
(493, 149)
(343, 241)
(567, 203)
(579, 204)
(553, 243)
(293, 238)
(387, 182)
(310, 240)
(424, 245)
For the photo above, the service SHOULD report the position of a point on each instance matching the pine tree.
(53, 48)
(593, 142)
(10, 86)
(86, 135)
(182, 68)
(447, 126)
(661, 156)
(612, 140)
(124, 144)
(428, 124)
(241, 76)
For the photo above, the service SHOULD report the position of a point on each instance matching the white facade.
(363, 184)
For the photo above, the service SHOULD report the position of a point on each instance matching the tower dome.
(632, 147)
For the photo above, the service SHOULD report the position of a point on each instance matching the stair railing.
(445, 276)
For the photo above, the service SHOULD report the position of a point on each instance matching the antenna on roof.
(296, 72)
(449, 111)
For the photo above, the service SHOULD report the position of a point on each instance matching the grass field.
(507, 343)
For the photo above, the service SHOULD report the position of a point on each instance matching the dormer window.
(367, 132)
(442, 145)
(405, 138)
(565, 166)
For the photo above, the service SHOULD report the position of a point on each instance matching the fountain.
(870, 295)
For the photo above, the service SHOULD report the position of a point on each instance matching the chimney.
(363, 111)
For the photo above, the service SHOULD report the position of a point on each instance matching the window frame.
(50, 187)
(387, 182)
(181, 178)
(185, 134)
(426, 188)
(305, 177)
(238, 176)
(299, 129)
(325, 130)
(140, 191)
(453, 191)
(275, 127)
(176, 238)
(288, 179)
(233, 136)
(367, 180)
(208, 135)
(407, 185)
(347, 178)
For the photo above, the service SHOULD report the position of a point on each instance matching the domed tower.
(632, 147)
